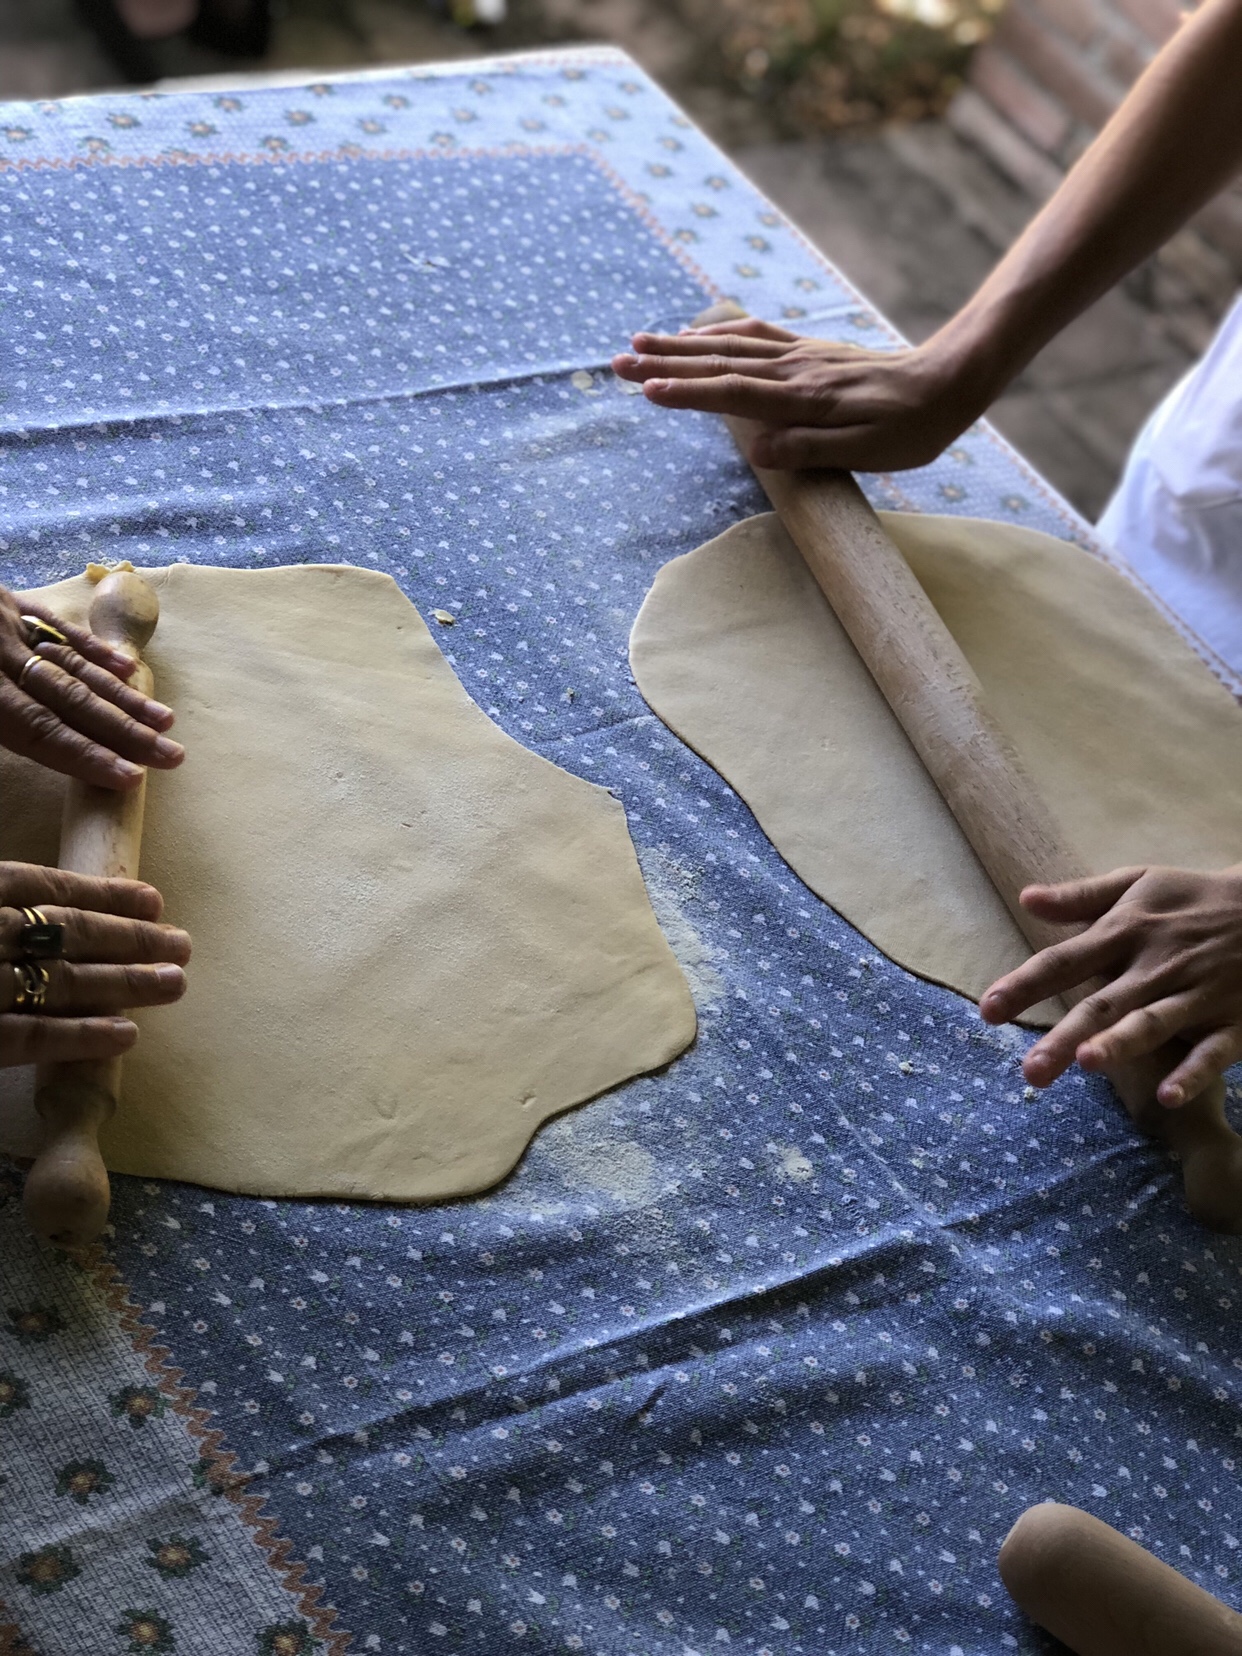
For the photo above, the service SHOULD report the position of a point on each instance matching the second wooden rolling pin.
(67, 1195)
(938, 700)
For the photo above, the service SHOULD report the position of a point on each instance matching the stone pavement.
(914, 216)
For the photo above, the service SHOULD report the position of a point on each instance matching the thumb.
(1080, 899)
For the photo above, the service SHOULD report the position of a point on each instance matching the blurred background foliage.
(829, 64)
(805, 66)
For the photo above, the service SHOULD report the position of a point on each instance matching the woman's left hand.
(820, 403)
(67, 706)
(1168, 944)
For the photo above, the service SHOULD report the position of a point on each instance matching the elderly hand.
(116, 954)
(67, 706)
(822, 404)
(1168, 943)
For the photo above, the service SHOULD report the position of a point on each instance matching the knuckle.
(1056, 958)
(1148, 1021)
(40, 725)
(1101, 1005)
(78, 696)
(29, 1039)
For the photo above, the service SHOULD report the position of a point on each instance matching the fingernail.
(125, 772)
(1172, 1096)
(626, 359)
(157, 710)
(657, 385)
(168, 977)
(168, 750)
(123, 1029)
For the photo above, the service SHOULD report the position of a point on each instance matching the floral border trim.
(218, 1462)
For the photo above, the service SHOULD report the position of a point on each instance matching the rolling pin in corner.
(67, 1194)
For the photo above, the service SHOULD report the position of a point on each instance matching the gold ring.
(29, 665)
(39, 631)
(29, 986)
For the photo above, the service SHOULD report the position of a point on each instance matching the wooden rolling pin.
(933, 690)
(67, 1195)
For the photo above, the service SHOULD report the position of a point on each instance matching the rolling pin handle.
(67, 1194)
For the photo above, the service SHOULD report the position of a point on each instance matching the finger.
(1138, 1032)
(36, 732)
(710, 344)
(1050, 972)
(82, 710)
(1211, 1057)
(795, 448)
(1054, 1052)
(108, 687)
(704, 366)
(91, 991)
(104, 938)
(83, 641)
(748, 397)
(27, 885)
(747, 327)
(1080, 899)
(41, 1040)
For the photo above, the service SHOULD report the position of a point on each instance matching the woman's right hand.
(116, 954)
(67, 705)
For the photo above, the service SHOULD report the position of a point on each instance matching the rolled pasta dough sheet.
(1134, 743)
(414, 940)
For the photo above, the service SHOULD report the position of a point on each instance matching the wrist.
(973, 359)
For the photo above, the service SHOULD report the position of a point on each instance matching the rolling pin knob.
(67, 1194)
(124, 611)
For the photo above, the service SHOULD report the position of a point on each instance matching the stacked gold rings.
(30, 981)
(39, 939)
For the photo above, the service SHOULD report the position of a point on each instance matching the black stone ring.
(40, 938)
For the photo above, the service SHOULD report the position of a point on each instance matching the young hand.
(1168, 944)
(823, 404)
(68, 706)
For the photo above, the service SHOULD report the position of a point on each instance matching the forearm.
(1173, 143)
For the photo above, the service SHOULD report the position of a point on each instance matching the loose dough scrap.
(414, 941)
(1135, 745)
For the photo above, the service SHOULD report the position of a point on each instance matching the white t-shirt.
(1176, 517)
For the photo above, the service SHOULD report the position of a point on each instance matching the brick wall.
(1043, 86)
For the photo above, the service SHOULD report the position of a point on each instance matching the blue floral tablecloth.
(763, 1353)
